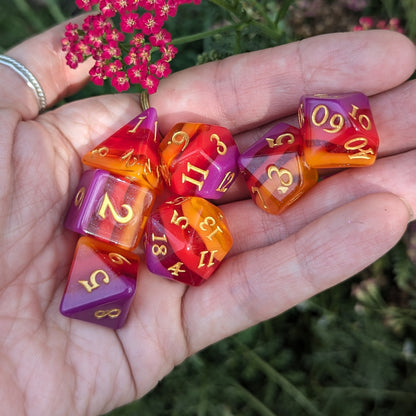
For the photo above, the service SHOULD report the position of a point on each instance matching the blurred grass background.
(347, 351)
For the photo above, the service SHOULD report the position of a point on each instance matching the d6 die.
(110, 208)
(338, 130)
(101, 283)
(186, 239)
(274, 170)
(199, 159)
(132, 151)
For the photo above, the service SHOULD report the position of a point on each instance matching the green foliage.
(348, 351)
(410, 13)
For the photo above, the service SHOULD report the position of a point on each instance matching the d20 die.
(186, 239)
(199, 159)
(110, 208)
(132, 151)
(338, 130)
(274, 170)
(101, 284)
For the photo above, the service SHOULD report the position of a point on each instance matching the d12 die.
(101, 283)
(274, 170)
(338, 130)
(110, 208)
(132, 151)
(199, 159)
(186, 239)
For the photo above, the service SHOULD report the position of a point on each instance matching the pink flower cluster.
(124, 54)
(367, 23)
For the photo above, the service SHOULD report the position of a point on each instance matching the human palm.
(55, 365)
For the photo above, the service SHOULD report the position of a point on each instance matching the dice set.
(187, 237)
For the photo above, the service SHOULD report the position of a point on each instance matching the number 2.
(119, 218)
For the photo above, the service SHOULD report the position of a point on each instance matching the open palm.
(55, 365)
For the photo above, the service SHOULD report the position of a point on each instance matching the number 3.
(221, 146)
(282, 174)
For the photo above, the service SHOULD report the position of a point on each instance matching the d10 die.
(110, 208)
(274, 170)
(199, 159)
(132, 151)
(338, 130)
(186, 239)
(101, 284)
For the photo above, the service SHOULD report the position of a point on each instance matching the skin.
(54, 365)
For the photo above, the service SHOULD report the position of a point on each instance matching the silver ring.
(28, 77)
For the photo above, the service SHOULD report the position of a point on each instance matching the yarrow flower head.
(137, 50)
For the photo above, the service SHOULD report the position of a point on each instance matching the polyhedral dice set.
(187, 237)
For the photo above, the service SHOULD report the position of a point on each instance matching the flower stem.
(203, 35)
(224, 5)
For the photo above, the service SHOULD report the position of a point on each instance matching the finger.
(86, 123)
(271, 82)
(321, 255)
(393, 112)
(252, 228)
(42, 55)
(252, 89)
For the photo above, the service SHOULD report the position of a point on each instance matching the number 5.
(92, 283)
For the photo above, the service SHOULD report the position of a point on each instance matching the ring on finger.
(28, 77)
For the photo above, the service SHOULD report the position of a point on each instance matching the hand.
(55, 365)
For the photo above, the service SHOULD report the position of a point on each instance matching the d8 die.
(186, 239)
(274, 170)
(338, 130)
(132, 151)
(101, 284)
(110, 208)
(199, 159)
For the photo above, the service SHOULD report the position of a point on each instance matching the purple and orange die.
(110, 208)
(199, 159)
(186, 240)
(274, 170)
(132, 152)
(101, 283)
(338, 130)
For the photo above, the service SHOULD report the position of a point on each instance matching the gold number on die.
(92, 283)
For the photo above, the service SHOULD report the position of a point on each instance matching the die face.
(81, 202)
(274, 171)
(161, 258)
(186, 240)
(101, 283)
(110, 209)
(199, 159)
(132, 152)
(338, 130)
